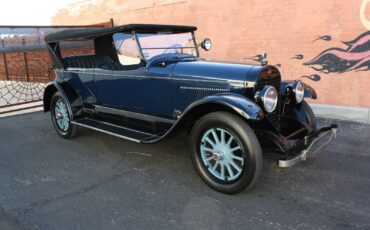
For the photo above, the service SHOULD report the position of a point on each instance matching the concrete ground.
(96, 181)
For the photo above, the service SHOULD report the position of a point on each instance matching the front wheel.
(225, 152)
(61, 117)
(311, 119)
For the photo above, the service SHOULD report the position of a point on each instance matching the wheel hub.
(217, 156)
(61, 115)
(221, 154)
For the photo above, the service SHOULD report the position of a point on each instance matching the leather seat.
(93, 61)
(118, 66)
(86, 61)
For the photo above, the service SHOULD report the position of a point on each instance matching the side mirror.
(206, 44)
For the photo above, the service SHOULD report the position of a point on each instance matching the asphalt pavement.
(96, 181)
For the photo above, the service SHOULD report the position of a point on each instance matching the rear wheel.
(61, 117)
(225, 152)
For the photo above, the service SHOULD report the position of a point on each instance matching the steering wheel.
(172, 48)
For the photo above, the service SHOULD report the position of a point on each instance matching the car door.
(128, 85)
(120, 89)
(135, 90)
(156, 92)
(117, 83)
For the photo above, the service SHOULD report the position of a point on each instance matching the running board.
(115, 130)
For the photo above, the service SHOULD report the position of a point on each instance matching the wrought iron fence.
(25, 63)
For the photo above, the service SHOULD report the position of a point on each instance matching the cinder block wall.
(305, 38)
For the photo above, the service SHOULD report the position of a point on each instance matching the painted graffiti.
(337, 60)
(313, 77)
(323, 38)
(298, 57)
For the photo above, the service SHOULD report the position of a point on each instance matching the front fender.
(235, 102)
(309, 92)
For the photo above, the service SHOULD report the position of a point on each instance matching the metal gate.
(24, 65)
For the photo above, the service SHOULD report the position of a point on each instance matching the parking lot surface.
(96, 181)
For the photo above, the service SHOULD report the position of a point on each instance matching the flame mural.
(337, 60)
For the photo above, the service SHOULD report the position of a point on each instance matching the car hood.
(214, 70)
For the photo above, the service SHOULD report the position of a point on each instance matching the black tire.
(250, 151)
(311, 118)
(69, 131)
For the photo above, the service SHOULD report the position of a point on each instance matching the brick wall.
(291, 32)
(25, 66)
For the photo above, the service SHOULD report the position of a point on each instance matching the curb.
(21, 109)
(32, 110)
(356, 114)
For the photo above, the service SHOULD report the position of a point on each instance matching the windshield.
(157, 44)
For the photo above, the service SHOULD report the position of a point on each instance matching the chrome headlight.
(298, 90)
(269, 98)
(206, 44)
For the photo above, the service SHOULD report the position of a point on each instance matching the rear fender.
(49, 91)
(73, 101)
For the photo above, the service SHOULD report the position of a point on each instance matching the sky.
(30, 12)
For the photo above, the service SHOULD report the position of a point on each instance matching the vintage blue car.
(145, 82)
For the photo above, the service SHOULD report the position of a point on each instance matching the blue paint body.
(169, 91)
(179, 85)
(159, 90)
(144, 94)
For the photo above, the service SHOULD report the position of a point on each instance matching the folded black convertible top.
(89, 33)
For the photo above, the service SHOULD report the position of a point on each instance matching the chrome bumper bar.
(327, 132)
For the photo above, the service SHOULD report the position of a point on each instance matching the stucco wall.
(291, 32)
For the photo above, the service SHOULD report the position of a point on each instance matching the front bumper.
(311, 144)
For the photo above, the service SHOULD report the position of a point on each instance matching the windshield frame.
(135, 33)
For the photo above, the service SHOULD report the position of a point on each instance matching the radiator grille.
(271, 79)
